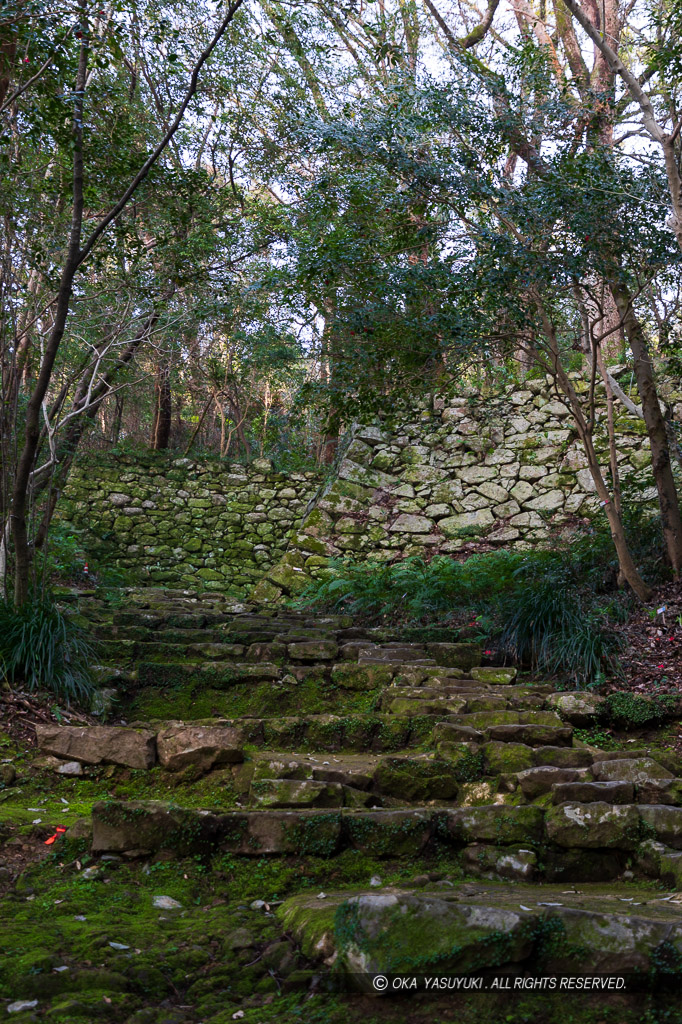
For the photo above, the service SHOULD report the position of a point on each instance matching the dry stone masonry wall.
(179, 521)
(503, 469)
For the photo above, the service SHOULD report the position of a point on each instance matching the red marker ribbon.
(59, 830)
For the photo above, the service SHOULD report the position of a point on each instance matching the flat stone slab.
(599, 929)
(99, 744)
(588, 792)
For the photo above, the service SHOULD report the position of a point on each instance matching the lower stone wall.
(180, 522)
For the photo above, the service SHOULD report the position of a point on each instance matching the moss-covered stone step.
(465, 929)
(217, 674)
(574, 841)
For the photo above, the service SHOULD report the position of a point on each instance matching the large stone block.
(594, 825)
(99, 744)
(496, 823)
(203, 746)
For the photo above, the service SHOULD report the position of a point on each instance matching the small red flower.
(660, 666)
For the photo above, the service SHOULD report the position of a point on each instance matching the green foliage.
(544, 609)
(42, 649)
(629, 711)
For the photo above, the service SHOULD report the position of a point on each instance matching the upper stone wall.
(501, 470)
(180, 521)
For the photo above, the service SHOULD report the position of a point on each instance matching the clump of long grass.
(41, 649)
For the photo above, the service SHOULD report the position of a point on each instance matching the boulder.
(203, 746)
(99, 744)
(562, 757)
(399, 833)
(142, 827)
(493, 676)
(502, 758)
(660, 791)
(500, 862)
(296, 793)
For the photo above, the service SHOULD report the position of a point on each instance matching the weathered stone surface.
(313, 650)
(411, 524)
(501, 758)
(352, 676)
(660, 791)
(477, 521)
(141, 827)
(562, 757)
(630, 770)
(99, 744)
(665, 821)
(493, 676)
(533, 735)
(577, 708)
(463, 655)
(536, 781)
(205, 747)
(296, 793)
(500, 862)
(499, 823)
(594, 825)
(415, 779)
(588, 792)
(388, 833)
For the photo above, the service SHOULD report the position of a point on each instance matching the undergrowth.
(42, 649)
(552, 611)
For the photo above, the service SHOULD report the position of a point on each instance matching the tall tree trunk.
(163, 410)
(668, 501)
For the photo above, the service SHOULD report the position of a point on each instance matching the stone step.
(608, 932)
(577, 840)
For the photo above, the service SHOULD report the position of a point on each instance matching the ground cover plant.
(552, 611)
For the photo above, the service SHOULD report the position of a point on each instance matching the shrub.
(41, 649)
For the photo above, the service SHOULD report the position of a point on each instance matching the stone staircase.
(425, 754)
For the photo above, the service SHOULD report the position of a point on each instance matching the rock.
(532, 734)
(660, 791)
(665, 821)
(577, 708)
(500, 862)
(536, 781)
(240, 938)
(313, 650)
(562, 757)
(502, 758)
(259, 833)
(400, 833)
(166, 903)
(463, 655)
(203, 746)
(296, 793)
(476, 521)
(8, 774)
(70, 768)
(453, 733)
(588, 792)
(493, 676)
(500, 823)
(22, 1004)
(639, 769)
(99, 744)
(476, 474)
(411, 524)
(593, 825)
(547, 502)
(142, 827)
(352, 676)
(415, 779)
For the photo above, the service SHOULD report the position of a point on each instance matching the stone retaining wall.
(503, 470)
(181, 521)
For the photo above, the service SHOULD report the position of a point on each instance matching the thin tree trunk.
(163, 410)
(671, 522)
